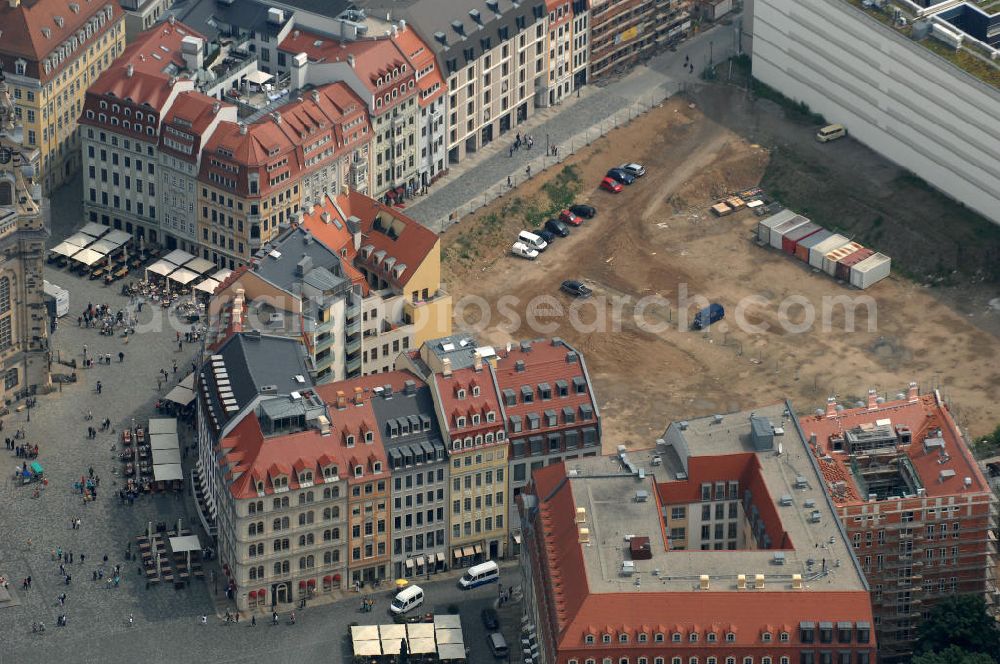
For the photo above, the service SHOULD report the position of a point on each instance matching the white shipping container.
(779, 232)
(765, 225)
(870, 271)
(819, 252)
(60, 295)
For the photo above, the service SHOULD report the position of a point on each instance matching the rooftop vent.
(581, 514)
(641, 496)
(946, 474)
(778, 558)
(741, 581)
(703, 582)
(584, 535)
(571, 357)
(474, 14)
(797, 581)
(525, 346)
(441, 38)
(628, 568)
(815, 517)
(785, 501)
(458, 27)
(758, 581)
(717, 419)
(519, 365)
(801, 482)
(494, 5)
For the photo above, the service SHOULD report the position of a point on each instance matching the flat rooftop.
(804, 533)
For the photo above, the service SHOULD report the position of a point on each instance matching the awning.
(457, 553)
(183, 276)
(103, 246)
(79, 239)
(94, 229)
(391, 646)
(178, 257)
(185, 543)
(302, 584)
(364, 632)
(477, 549)
(222, 275)
(188, 381)
(420, 646)
(252, 594)
(336, 577)
(409, 563)
(180, 395)
(200, 265)
(311, 583)
(65, 249)
(420, 630)
(451, 651)
(517, 537)
(163, 441)
(167, 472)
(367, 648)
(118, 237)
(161, 267)
(259, 77)
(166, 456)
(207, 286)
(327, 579)
(467, 551)
(162, 425)
(440, 557)
(88, 256)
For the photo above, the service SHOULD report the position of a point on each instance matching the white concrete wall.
(892, 94)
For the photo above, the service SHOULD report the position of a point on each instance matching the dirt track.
(658, 236)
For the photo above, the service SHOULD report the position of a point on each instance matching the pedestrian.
(204, 619)
(236, 617)
(253, 620)
(159, 383)
(509, 185)
(98, 387)
(175, 366)
(131, 620)
(83, 556)
(512, 151)
(180, 346)
(527, 171)
(121, 357)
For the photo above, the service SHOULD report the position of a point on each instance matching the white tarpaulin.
(162, 425)
(166, 456)
(118, 237)
(187, 381)
(161, 267)
(448, 636)
(65, 249)
(200, 265)
(364, 632)
(183, 276)
(103, 246)
(367, 648)
(222, 275)
(451, 651)
(79, 239)
(167, 472)
(259, 77)
(88, 256)
(185, 543)
(420, 646)
(207, 286)
(163, 441)
(180, 395)
(447, 621)
(94, 229)
(178, 257)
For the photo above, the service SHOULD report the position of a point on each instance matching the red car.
(570, 218)
(610, 185)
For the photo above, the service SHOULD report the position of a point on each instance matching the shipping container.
(870, 271)
(832, 257)
(59, 295)
(778, 232)
(819, 251)
(844, 265)
(791, 239)
(803, 246)
(766, 224)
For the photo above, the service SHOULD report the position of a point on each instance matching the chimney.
(341, 400)
(350, 60)
(300, 66)
(913, 394)
(446, 367)
(758, 581)
(872, 400)
(741, 581)
(358, 394)
(315, 95)
(477, 361)
(703, 582)
(409, 388)
(831, 407)
(797, 581)
(243, 129)
(387, 391)
(129, 69)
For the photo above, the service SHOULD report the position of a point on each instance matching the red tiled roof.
(411, 244)
(923, 415)
(191, 113)
(25, 28)
(156, 49)
(544, 363)
(421, 59)
(487, 401)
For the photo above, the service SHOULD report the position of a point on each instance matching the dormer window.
(460, 421)
(460, 394)
(369, 437)
(643, 637)
(766, 637)
(730, 637)
(606, 638)
(675, 637)
(491, 416)
(712, 637)
(475, 390)
(623, 638)
(693, 637)
(658, 637)
(377, 467)
(589, 639)
(784, 637)
(359, 471)
(349, 440)
(305, 478)
(475, 418)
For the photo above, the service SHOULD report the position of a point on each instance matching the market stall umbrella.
(180, 395)
(447, 621)
(451, 652)
(367, 648)
(161, 267)
(162, 425)
(94, 229)
(163, 441)
(200, 265)
(118, 237)
(207, 286)
(166, 456)
(79, 239)
(104, 246)
(421, 646)
(65, 249)
(391, 646)
(222, 275)
(402, 583)
(448, 636)
(88, 256)
(364, 632)
(178, 257)
(167, 472)
(188, 381)
(183, 276)
(420, 631)
(185, 543)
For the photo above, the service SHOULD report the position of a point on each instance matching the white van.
(407, 599)
(831, 133)
(480, 574)
(532, 240)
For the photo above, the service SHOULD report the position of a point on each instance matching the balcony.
(323, 344)
(353, 345)
(354, 364)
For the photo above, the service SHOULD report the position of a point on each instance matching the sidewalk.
(570, 125)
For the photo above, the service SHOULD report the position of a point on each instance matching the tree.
(953, 655)
(962, 621)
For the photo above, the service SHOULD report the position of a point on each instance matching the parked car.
(556, 227)
(831, 133)
(568, 217)
(608, 184)
(634, 169)
(490, 619)
(620, 176)
(585, 211)
(710, 314)
(546, 235)
(524, 251)
(576, 288)
(532, 240)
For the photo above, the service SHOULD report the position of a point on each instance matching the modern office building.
(874, 69)
(766, 575)
(919, 512)
(50, 52)
(24, 326)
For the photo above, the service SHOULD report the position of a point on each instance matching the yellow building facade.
(51, 51)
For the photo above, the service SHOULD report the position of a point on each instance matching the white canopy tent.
(162, 425)
(392, 631)
(65, 249)
(79, 239)
(88, 256)
(451, 651)
(161, 267)
(187, 381)
(448, 636)
(163, 441)
(200, 265)
(167, 472)
(94, 229)
(104, 246)
(222, 275)
(364, 632)
(420, 646)
(185, 543)
(207, 286)
(178, 257)
(180, 395)
(118, 237)
(367, 648)
(183, 276)
(420, 630)
(166, 456)
(447, 621)
(259, 77)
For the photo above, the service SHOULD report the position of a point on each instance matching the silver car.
(634, 169)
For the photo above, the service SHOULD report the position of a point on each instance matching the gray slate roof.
(415, 413)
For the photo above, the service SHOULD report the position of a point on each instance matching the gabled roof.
(487, 401)
(191, 113)
(36, 28)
